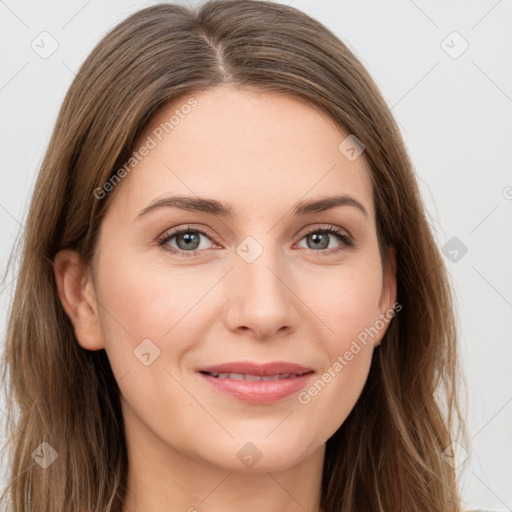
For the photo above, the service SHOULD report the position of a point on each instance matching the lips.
(257, 383)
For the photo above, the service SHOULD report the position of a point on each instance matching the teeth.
(246, 376)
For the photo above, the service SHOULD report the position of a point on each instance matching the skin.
(261, 152)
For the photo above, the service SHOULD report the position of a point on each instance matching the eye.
(187, 242)
(319, 239)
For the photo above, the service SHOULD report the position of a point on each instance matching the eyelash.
(347, 241)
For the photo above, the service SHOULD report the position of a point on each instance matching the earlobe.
(78, 298)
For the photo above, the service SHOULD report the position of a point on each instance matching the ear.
(388, 295)
(78, 297)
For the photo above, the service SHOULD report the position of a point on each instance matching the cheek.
(350, 311)
(165, 304)
(345, 303)
(149, 322)
(147, 300)
(344, 298)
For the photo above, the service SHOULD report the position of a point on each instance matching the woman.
(236, 297)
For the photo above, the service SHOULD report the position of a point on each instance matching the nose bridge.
(260, 297)
(260, 277)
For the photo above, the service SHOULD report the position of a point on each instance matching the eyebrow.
(219, 209)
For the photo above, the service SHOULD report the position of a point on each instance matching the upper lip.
(262, 370)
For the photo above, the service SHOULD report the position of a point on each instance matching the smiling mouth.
(251, 377)
(258, 389)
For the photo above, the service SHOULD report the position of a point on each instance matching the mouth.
(256, 383)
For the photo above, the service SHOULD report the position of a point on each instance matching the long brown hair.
(389, 454)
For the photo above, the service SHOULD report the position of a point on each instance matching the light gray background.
(455, 117)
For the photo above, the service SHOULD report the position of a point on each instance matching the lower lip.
(259, 391)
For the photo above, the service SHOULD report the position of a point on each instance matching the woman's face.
(260, 285)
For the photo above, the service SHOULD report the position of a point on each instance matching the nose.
(260, 298)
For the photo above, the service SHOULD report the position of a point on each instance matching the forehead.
(252, 148)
